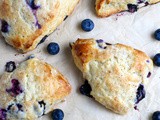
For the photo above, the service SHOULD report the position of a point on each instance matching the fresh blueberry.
(85, 89)
(140, 93)
(132, 8)
(156, 115)
(87, 25)
(43, 39)
(16, 89)
(57, 114)
(32, 4)
(53, 48)
(10, 66)
(157, 34)
(5, 26)
(156, 59)
(3, 114)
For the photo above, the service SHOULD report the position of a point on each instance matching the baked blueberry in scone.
(31, 90)
(117, 74)
(26, 23)
(106, 8)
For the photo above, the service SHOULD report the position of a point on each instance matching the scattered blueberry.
(132, 8)
(86, 89)
(3, 114)
(57, 114)
(140, 93)
(10, 66)
(157, 34)
(156, 115)
(156, 59)
(5, 26)
(43, 39)
(53, 48)
(16, 89)
(149, 74)
(87, 25)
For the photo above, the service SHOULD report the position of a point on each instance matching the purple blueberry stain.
(15, 89)
(99, 41)
(34, 9)
(10, 66)
(5, 26)
(140, 93)
(132, 8)
(147, 61)
(3, 114)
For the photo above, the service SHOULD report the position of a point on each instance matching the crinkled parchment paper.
(135, 30)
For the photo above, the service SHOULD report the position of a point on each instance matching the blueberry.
(5, 26)
(3, 114)
(10, 66)
(156, 115)
(87, 25)
(57, 114)
(140, 93)
(132, 8)
(157, 34)
(156, 59)
(16, 89)
(53, 48)
(85, 89)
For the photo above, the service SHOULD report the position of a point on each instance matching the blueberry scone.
(117, 74)
(31, 90)
(24, 23)
(106, 8)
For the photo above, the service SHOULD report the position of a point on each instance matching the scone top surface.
(31, 90)
(106, 8)
(114, 72)
(23, 23)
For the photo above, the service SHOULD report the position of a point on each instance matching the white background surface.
(135, 30)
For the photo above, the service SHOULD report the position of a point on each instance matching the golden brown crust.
(113, 71)
(105, 8)
(40, 82)
(24, 32)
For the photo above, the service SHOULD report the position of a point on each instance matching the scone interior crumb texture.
(23, 23)
(117, 73)
(31, 90)
(106, 8)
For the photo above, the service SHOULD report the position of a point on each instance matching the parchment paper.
(135, 30)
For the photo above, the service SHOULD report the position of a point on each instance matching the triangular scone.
(116, 73)
(31, 90)
(24, 23)
(106, 8)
